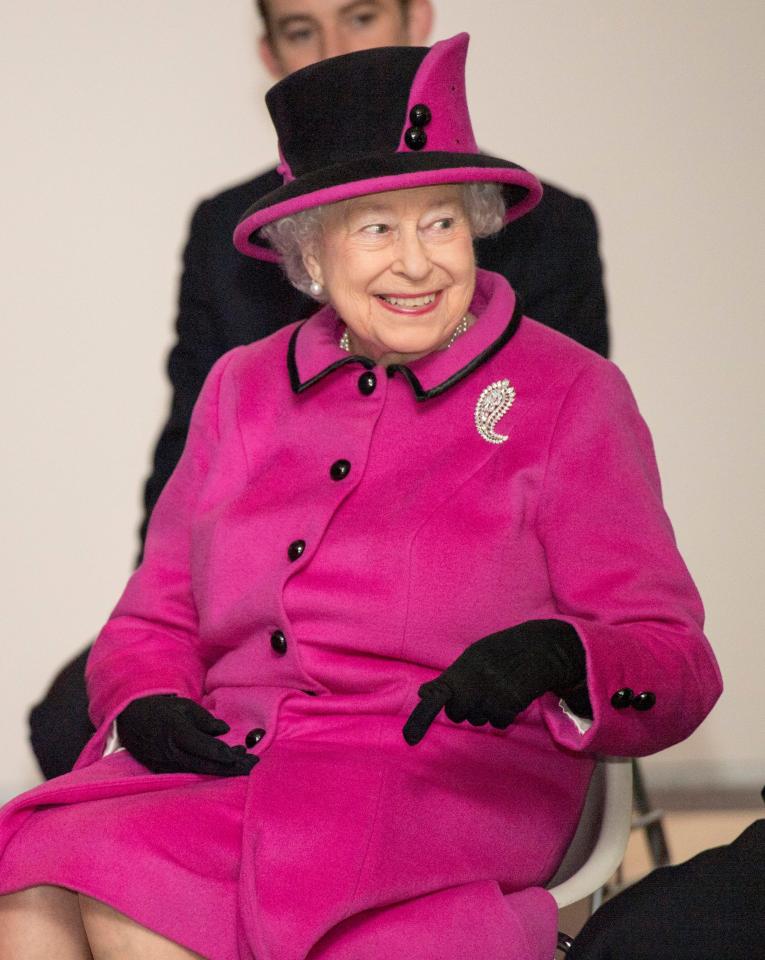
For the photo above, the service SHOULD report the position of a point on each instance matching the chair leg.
(564, 943)
(649, 819)
(596, 899)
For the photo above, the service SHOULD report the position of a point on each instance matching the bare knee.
(108, 931)
(113, 936)
(41, 898)
(42, 921)
(42, 903)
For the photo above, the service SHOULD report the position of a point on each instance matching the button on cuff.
(644, 700)
(622, 698)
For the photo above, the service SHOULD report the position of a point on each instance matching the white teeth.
(410, 302)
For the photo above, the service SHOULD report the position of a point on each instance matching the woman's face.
(399, 269)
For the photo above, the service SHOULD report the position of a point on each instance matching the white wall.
(116, 116)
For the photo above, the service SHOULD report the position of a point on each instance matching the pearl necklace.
(462, 327)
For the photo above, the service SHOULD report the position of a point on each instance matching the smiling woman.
(410, 577)
(399, 269)
(399, 266)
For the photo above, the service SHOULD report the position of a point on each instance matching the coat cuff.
(99, 744)
(650, 686)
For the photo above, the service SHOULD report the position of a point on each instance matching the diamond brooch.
(492, 405)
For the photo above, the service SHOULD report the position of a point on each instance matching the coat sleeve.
(618, 578)
(149, 644)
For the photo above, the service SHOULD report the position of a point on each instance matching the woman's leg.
(41, 923)
(113, 936)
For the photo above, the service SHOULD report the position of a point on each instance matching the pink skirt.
(331, 850)
(194, 885)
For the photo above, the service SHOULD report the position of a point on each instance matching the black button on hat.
(415, 138)
(367, 383)
(644, 700)
(278, 642)
(340, 469)
(420, 115)
(296, 549)
(254, 737)
(622, 698)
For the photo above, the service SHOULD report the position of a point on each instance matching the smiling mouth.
(418, 304)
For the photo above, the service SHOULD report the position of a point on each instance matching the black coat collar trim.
(299, 386)
(476, 362)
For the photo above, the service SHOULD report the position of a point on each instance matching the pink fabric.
(473, 920)
(440, 85)
(400, 181)
(352, 841)
(48, 848)
(283, 168)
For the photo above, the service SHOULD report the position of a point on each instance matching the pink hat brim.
(265, 212)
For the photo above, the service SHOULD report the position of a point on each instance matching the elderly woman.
(411, 575)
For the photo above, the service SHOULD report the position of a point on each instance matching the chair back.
(598, 846)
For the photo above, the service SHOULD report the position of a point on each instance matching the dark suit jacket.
(711, 907)
(550, 257)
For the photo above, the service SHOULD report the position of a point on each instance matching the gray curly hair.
(290, 236)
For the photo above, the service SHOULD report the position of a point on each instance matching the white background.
(117, 116)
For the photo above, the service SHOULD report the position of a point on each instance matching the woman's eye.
(376, 229)
(441, 225)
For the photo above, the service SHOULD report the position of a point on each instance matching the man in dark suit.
(712, 907)
(550, 256)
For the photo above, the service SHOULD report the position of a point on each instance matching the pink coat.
(357, 846)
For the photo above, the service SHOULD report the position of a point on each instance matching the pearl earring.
(315, 289)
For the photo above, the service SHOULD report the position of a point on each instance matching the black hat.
(372, 121)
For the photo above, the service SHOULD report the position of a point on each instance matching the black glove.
(170, 734)
(497, 678)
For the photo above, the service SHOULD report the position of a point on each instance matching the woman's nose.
(412, 258)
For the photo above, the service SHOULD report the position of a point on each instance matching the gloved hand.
(496, 678)
(171, 734)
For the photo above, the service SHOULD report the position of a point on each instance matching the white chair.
(598, 846)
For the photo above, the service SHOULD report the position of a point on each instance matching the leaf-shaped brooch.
(492, 405)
